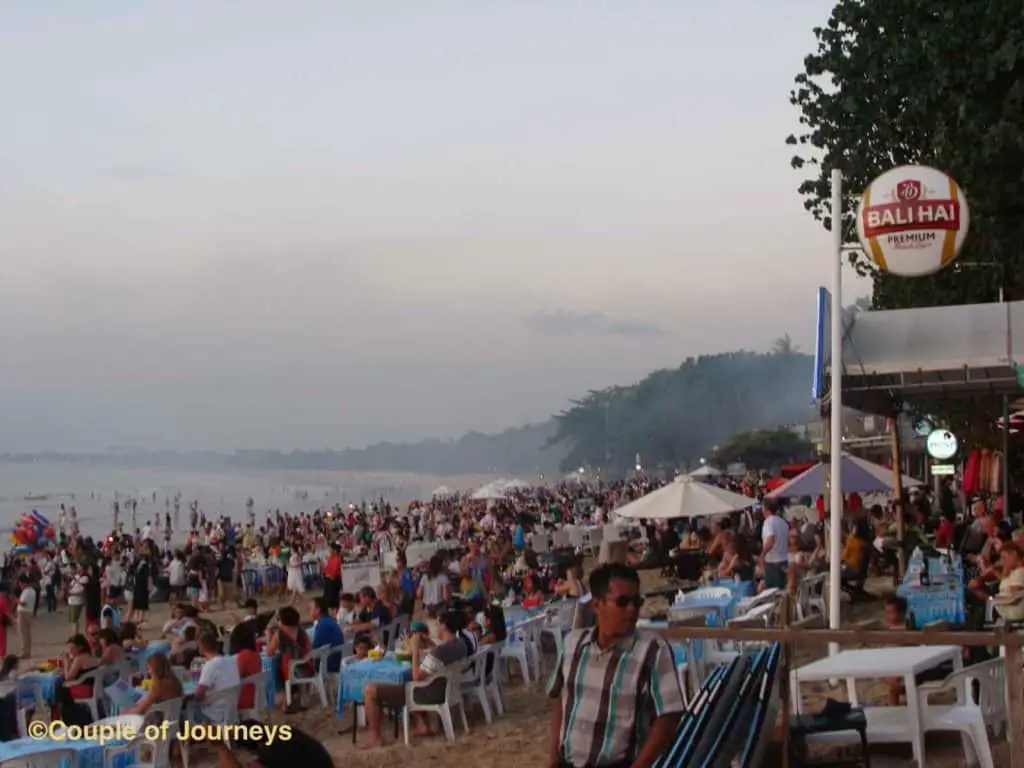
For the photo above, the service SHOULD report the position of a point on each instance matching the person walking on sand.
(26, 611)
(296, 583)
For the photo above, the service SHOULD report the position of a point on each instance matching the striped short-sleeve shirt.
(611, 696)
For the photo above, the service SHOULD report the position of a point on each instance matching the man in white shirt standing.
(774, 546)
(76, 596)
(26, 607)
(218, 673)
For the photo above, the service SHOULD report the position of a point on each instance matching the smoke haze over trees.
(671, 418)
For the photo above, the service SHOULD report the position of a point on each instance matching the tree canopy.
(764, 448)
(896, 82)
(674, 417)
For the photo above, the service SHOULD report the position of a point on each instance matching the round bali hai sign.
(913, 220)
(941, 444)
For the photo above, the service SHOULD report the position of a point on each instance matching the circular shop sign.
(913, 220)
(941, 444)
(924, 427)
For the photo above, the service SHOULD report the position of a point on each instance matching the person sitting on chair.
(451, 649)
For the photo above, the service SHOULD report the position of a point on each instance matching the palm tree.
(784, 346)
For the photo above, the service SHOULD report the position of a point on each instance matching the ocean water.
(92, 490)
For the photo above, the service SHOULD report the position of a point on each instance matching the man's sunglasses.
(624, 601)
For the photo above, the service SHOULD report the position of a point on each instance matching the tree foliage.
(931, 82)
(764, 448)
(675, 417)
(939, 83)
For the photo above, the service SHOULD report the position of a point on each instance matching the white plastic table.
(876, 663)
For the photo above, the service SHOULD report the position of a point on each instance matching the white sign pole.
(836, 404)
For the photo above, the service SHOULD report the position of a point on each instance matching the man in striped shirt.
(616, 700)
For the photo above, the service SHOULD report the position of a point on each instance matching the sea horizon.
(93, 488)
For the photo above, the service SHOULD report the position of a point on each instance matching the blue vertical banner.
(821, 343)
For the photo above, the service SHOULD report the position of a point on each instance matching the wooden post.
(894, 432)
(1014, 711)
(784, 692)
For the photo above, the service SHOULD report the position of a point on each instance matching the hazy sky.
(268, 224)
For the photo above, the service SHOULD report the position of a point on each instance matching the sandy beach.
(522, 734)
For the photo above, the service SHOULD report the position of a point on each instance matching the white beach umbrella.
(705, 470)
(442, 491)
(492, 491)
(517, 485)
(684, 498)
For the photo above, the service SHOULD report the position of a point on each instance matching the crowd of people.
(457, 596)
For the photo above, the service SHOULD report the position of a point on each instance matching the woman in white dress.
(296, 586)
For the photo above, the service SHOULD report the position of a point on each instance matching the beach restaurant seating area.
(115, 687)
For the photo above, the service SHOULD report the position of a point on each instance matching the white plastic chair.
(763, 613)
(971, 718)
(318, 658)
(810, 598)
(38, 704)
(452, 699)
(968, 716)
(473, 683)
(259, 682)
(559, 621)
(517, 648)
(160, 751)
(97, 676)
(492, 677)
(170, 712)
(48, 758)
(577, 537)
(334, 678)
(224, 700)
(767, 596)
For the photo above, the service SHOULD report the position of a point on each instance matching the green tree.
(673, 417)
(784, 345)
(764, 448)
(933, 82)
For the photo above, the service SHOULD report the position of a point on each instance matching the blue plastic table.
(357, 674)
(47, 682)
(943, 600)
(141, 655)
(740, 589)
(90, 753)
(723, 605)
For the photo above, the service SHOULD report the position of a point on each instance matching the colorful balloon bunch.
(33, 534)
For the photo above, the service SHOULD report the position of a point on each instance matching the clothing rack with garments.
(983, 472)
